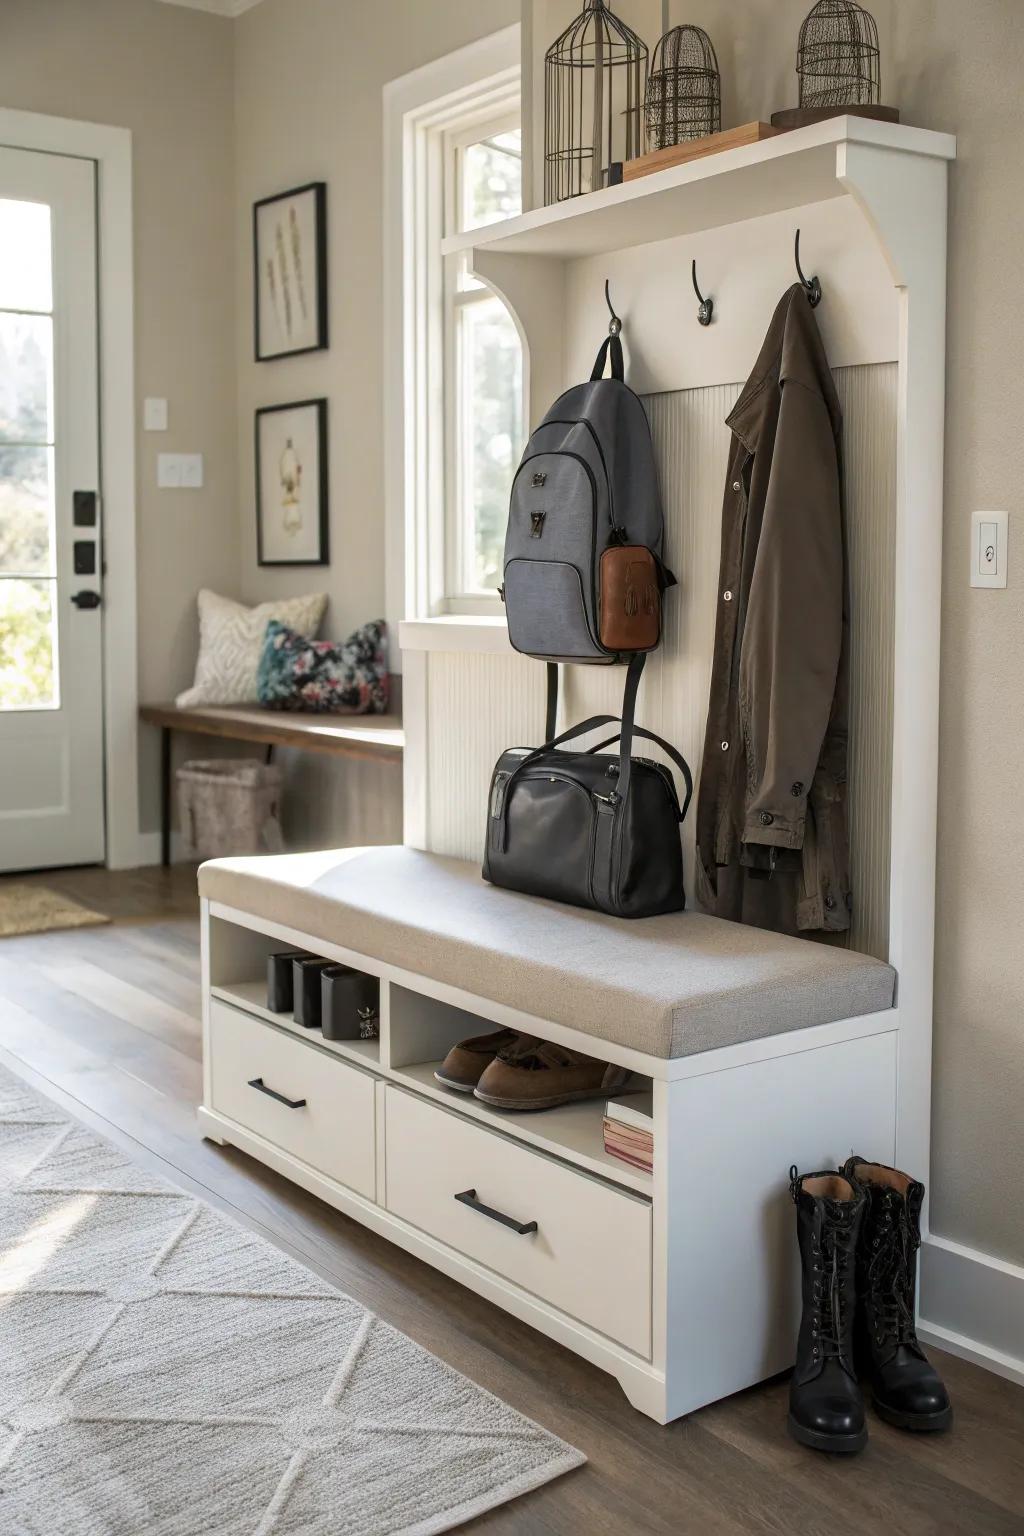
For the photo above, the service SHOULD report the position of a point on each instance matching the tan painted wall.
(165, 73)
(309, 79)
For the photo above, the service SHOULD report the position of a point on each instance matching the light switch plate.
(179, 471)
(989, 539)
(191, 471)
(168, 471)
(154, 414)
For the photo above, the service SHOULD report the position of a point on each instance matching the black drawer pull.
(468, 1197)
(258, 1083)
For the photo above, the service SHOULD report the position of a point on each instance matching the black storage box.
(344, 994)
(306, 983)
(280, 986)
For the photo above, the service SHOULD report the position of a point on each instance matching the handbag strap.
(670, 751)
(633, 675)
(551, 708)
(611, 345)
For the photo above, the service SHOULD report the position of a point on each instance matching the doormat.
(166, 1371)
(36, 909)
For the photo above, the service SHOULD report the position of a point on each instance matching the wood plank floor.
(105, 1020)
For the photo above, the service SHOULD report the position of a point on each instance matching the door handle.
(86, 599)
(468, 1197)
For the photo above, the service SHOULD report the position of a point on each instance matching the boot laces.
(832, 1250)
(891, 1267)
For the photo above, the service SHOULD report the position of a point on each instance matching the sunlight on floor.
(31, 1254)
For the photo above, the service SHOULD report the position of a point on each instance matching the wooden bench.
(379, 738)
(752, 1051)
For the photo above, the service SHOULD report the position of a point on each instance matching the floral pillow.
(325, 676)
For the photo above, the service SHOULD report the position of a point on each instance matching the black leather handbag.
(588, 828)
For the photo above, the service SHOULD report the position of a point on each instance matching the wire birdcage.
(594, 78)
(684, 88)
(838, 56)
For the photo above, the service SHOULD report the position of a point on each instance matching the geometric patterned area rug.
(164, 1372)
(36, 909)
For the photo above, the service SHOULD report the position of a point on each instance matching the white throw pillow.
(231, 643)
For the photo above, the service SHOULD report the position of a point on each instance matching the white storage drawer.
(332, 1130)
(590, 1254)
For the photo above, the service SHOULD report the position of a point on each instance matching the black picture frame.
(267, 547)
(317, 327)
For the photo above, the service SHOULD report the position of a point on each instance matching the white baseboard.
(973, 1305)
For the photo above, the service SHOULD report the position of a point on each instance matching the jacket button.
(737, 486)
(725, 746)
(797, 789)
(766, 818)
(829, 903)
(727, 596)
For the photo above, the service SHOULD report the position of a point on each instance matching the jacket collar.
(792, 349)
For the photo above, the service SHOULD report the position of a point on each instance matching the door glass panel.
(490, 434)
(26, 511)
(28, 674)
(26, 378)
(25, 264)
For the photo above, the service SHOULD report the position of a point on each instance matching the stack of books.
(629, 1130)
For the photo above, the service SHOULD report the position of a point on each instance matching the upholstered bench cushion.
(668, 986)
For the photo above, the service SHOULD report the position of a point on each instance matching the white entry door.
(51, 655)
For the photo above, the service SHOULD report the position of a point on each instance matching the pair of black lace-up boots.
(859, 1229)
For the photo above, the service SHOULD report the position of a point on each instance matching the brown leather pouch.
(630, 599)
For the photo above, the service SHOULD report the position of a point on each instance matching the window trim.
(477, 81)
(454, 598)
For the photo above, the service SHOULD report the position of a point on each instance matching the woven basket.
(229, 806)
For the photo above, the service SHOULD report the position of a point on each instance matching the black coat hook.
(614, 324)
(812, 287)
(707, 306)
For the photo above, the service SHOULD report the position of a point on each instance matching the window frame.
(458, 597)
(477, 84)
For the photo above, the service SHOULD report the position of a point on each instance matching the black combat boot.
(826, 1410)
(907, 1390)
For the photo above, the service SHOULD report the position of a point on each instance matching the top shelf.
(793, 169)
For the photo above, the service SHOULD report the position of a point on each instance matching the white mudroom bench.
(758, 1051)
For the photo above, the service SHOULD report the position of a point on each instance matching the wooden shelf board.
(788, 171)
(250, 997)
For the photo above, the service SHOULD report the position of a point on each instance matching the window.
(28, 672)
(456, 373)
(483, 366)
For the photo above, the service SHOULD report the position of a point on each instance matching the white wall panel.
(479, 704)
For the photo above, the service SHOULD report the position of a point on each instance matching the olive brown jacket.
(771, 817)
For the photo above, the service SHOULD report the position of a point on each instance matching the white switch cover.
(179, 471)
(989, 538)
(192, 471)
(168, 471)
(154, 414)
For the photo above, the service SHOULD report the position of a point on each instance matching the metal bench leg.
(165, 796)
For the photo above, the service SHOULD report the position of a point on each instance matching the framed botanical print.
(290, 272)
(291, 484)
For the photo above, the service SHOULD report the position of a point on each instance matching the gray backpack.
(583, 571)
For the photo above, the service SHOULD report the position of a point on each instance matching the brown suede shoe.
(536, 1074)
(465, 1062)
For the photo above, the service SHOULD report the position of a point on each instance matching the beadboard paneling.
(477, 705)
